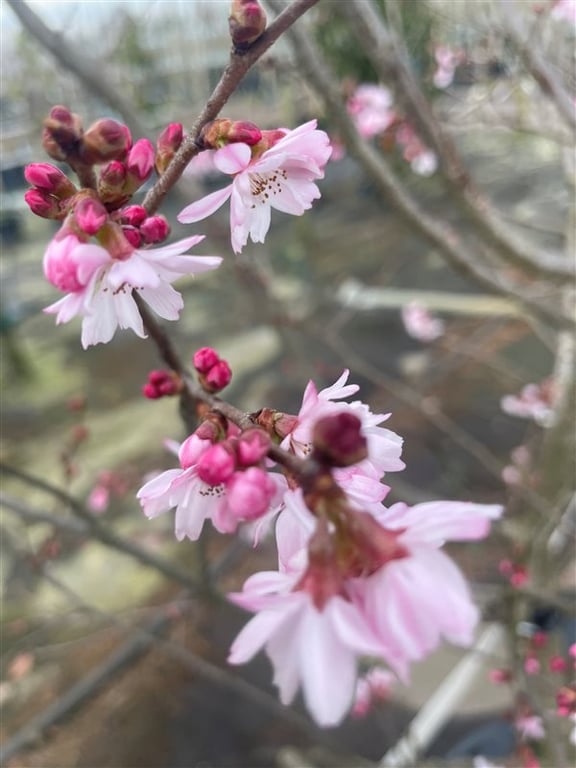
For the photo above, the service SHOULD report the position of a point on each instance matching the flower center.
(264, 186)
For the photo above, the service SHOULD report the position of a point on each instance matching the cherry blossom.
(99, 287)
(281, 177)
(534, 402)
(530, 727)
(370, 106)
(420, 323)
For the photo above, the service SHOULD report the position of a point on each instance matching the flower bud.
(250, 493)
(338, 440)
(48, 178)
(132, 235)
(204, 359)
(557, 664)
(111, 183)
(247, 21)
(140, 161)
(218, 377)
(62, 133)
(133, 215)
(217, 464)
(43, 204)
(105, 140)
(155, 229)
(167, 145)
(221, 132)
(252, 447)
(284, 424)
(191, 450)
(90, 215)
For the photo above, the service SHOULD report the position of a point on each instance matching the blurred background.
(109, 657)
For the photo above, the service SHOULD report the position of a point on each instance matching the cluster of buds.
(51, 190)
(139, 228)
(516, 573)
(213, 373)
(161, 384)
(223, 131)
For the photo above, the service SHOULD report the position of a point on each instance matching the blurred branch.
(85, 69)
(34, 516)
(97, 530)
(239, 64)
(546, 78)
(388, 53)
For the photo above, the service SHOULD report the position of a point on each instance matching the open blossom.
(384, 446)
(533, 402)
(282, 177)
(370, 106)
(530, 727)
(420, 323)
(99, 287)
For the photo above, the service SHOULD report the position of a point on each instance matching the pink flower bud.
(499, 676)
(217, 464)
(105, 140)
(191, 450)
(222, 131)
(90, 215)
(539, 640)
(250, 493)
(61, 133)
(140, 160)
(61, 264)
(557, 664)
(284, 424)
(43, 204)
(247, 21)
(218, 377)
(133, 215)
(209, 430)
(155, 229)
(132, 235)
(252, 447)
(50, 179)
(151, 392)
(338, 440)
(531, 665)
(204, 359)
(167, 145)
(111, 184)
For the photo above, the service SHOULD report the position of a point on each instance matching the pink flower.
(533, 402)
(564, 10)
(315, 648)
(371, 689)
(371, 109)
(384, 446)
(282, 177)
(99, 287)
(420, 323)
(530, 727)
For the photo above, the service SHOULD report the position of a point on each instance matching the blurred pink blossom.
(420, 324)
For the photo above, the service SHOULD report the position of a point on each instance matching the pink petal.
(256, 634)
(164, 300)
(204, 207)
(173, 249)
(232, 158)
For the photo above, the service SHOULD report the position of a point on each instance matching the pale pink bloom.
(372, 689)
(282, 177)
(413, 601)
(201, 165)
(99, 498)
(530, 727)
(384, 446)
(370, 107)
(533, 402)
(425, 163)
(420, 324)
(531, 665)
(99, 287)
(312, 648)
(564, 10)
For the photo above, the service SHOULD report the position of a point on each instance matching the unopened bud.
(338, 440)
(42, 204)
(62, 133)
(218, 377)
(132, 235)
(204, 359)
(252, 447)
(133, 215)
(155, 229)
(105, 140)
(111, 183)
(217, 464)
(284, 424)
(167, 145)
(90, 215)
(247, 21)
(140, 161)
(48, 178)
(221, 132)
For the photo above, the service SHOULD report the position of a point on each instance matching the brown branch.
(391, 59)
(78, 63)
(101, 532)
(440, 234)
(538, 68)
(239, 64)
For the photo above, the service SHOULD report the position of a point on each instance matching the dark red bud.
(155, 229)
(218, 377)
(62, 133)
(105, 140)
(133, 215)
(223, 131)
(247, 21)
(48, 178)
(167, 145)
(42, 204)
(338, 440)
(204, 359)
(132, 235)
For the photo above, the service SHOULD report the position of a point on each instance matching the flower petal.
(205, 206)
(232, 158)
